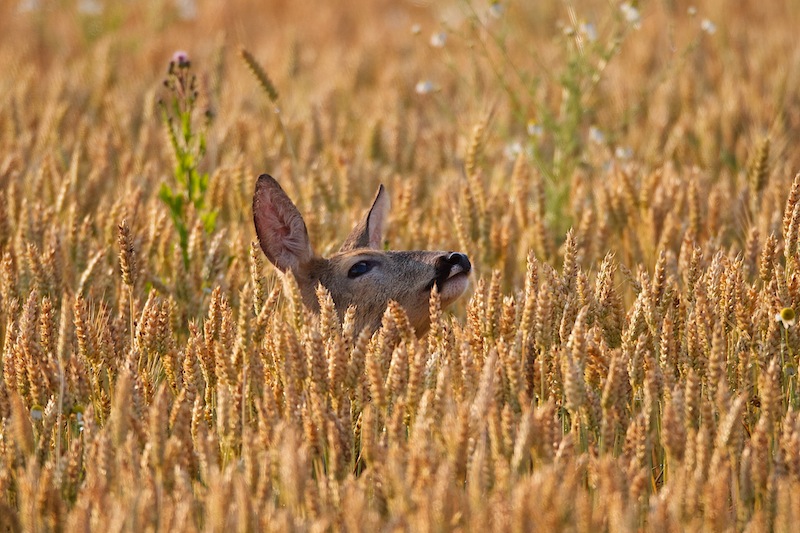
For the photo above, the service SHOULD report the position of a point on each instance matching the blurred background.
(393, 91)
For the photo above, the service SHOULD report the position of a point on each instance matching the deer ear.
(369, 232)
(281, 231)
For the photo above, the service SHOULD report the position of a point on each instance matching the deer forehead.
(401, 260)
(394, 274)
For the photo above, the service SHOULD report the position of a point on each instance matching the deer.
(361, 274)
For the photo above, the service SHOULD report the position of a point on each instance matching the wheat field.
(623, 176)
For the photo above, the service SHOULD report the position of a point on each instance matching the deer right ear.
(369, 232)
(281, 231)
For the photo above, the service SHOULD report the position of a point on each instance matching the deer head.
(361, 273)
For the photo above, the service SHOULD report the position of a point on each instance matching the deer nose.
(458, 259)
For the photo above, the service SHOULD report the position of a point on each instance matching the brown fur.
(406, 277)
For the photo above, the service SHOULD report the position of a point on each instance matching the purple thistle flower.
(180, 58)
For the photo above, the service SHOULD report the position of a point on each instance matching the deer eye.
(358, 269)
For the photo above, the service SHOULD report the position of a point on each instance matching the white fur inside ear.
(292, 247)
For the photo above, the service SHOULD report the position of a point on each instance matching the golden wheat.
(627, 359)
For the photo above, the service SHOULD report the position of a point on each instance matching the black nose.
(457, 259)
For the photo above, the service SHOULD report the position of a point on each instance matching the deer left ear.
(369, 232)
(281, 231)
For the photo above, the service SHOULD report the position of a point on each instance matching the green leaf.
(209, 219)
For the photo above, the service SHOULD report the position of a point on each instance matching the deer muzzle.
(452, 273)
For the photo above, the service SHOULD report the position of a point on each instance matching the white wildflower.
(786, 317)
(709, 27)
(439, 39)
(631, 14)
(496, 9)
(623, 152)
(589, 31)
(512, 150)
(534, 129)
(596, 136)
(424, 87)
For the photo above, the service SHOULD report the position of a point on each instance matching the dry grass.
(625, 374)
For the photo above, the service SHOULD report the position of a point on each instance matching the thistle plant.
(188, 142)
